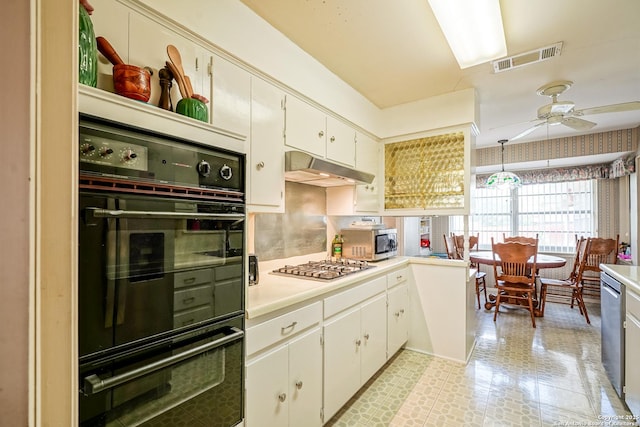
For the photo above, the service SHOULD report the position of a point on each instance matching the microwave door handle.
(93, 384)
(118, 213)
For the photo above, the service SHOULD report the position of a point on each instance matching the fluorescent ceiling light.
(473, 29)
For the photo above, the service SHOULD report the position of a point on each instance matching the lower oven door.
(193, 379)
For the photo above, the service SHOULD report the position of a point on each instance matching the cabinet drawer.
(192, 278)
(336, 303)
(633, 304)
(282, 327)
(192, 297)
(228, 272)
(396, 277)
(190, 317)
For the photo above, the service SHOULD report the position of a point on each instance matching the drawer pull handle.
(189, 281)
(399, 277)
(188, 300)
(290, 327)
(298, 384)
(282, 397)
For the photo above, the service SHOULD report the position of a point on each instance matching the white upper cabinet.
(367, 160)
(230, 96)
(340, 142)
(265, 165)
(305, 127)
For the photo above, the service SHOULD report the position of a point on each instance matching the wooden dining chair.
(602, 251)
(511, 267)
(572, 284)
(521, 239)
(481, 277)
(450, 247)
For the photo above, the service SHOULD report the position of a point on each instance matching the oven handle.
(94, 384)
(116, 213)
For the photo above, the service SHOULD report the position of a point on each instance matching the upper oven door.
(149, 265)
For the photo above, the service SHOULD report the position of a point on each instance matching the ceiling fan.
(564, 112)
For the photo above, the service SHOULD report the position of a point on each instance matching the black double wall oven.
(161, 280)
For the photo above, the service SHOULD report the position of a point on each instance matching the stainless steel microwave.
(369, 244)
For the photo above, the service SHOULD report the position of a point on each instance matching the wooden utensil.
(187, 81)
(176, 60)
(179, 80)
(108, 51)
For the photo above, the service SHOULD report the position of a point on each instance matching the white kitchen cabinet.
(632, 344)
(230, 96)
(367, 160)
(265, 166)
(284, 370)
(340, 142)
(305, 127)
(354, 343)
(284, 386)
(397, 318)
(311, 130)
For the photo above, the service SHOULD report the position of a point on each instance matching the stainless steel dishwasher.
(612, 309)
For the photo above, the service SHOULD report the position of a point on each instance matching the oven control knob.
(87, 149)
(204, 168)
(226, 173)
(129, 155)
(106, 152)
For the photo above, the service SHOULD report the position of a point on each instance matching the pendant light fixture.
(502, 179)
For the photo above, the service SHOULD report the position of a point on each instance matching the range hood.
(306, 169)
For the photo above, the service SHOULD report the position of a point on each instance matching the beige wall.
(15, 224)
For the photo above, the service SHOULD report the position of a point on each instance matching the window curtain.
(618, 168)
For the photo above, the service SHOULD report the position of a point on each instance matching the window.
(556, 211)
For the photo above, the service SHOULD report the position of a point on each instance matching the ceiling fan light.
(504, 180)
(473, 29)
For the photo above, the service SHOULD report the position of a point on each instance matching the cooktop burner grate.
(323, 270)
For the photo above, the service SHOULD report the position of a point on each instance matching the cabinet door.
(305, 127)
(367, 160)
(266, 158)
(148, 42)
(397, 316)
(267, 390)
(230, 96)
(305, 380)
(632, 344)
(341, 142)
(373, 329)
(341, 360)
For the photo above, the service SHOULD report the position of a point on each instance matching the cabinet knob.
(366, 336)
(358, 343)
(332, 139)
(298, 384)
(397, 314)
(282, 397)
(402, 311)
(321, 134)
(260, 165)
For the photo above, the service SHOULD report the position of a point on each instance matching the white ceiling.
(393, 52)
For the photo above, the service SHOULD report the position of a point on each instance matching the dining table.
(542, 261)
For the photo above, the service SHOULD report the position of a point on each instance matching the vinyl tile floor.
(517, 376)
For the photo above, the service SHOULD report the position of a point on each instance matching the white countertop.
(627, 274)
(275, 292)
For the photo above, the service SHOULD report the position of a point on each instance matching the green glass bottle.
(87, 49)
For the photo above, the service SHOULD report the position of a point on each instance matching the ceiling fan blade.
(577, 124)
(527, 132)
(613, 108)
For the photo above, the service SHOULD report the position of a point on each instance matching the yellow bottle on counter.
(336, 247)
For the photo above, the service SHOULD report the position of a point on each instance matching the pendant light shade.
(502, 179)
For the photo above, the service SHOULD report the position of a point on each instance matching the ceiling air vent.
(527, 58)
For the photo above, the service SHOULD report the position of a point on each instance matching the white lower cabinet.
(354, 349)
(284, 386)
(397, 318)
(632, 344)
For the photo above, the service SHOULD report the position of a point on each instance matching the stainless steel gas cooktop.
(323, 270)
